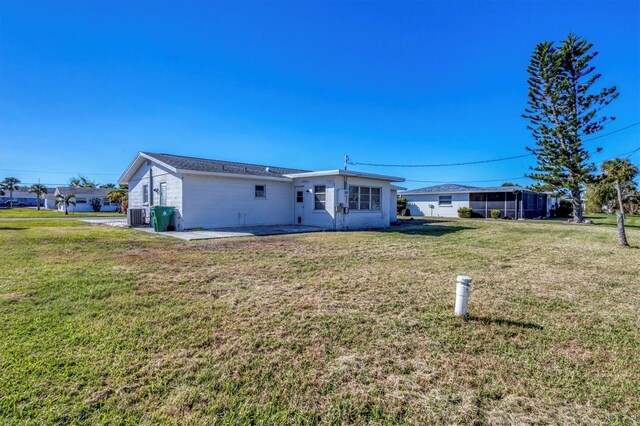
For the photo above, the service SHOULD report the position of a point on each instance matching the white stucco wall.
(357, 219)
(393, 205)
(215, 201)
(419, 204)
(321, 218)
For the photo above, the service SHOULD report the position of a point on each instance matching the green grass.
(104, 325)
(631, 221)
(24, 212)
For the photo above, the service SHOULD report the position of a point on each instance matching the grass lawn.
(24, 212)
(104, 325)
(610, 219)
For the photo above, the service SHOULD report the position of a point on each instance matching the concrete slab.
(244, 231)
(113, 221)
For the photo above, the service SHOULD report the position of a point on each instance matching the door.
(299, 205)
(163, 193)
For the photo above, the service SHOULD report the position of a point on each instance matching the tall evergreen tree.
(562, 109)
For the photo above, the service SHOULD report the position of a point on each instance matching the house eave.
(234, 175)
(347, 173)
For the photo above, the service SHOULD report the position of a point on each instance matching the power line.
(628, 155)
(494, 160)
(59, 173)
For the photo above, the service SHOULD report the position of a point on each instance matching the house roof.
(182, 164)
(218, 166)
(348, 173)
(93, 192)
(451, 188)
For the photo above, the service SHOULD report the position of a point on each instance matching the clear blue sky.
(85, 85)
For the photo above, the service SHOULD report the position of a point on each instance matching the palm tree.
(10, 184)
(621, 173)
(66, 200)
(38, 189)
(117, 196)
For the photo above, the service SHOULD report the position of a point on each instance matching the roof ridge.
(222, 161)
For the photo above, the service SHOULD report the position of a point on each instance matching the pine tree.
(562, 109)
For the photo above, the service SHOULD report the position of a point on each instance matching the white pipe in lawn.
(463, 291)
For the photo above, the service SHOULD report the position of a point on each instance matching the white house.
(213, 194)
(515, 202)
(82, 199)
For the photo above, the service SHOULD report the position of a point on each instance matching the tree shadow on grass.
(10, 228)
(433, 228)
(502, 321)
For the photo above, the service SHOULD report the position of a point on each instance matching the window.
(375, 198)
(261, 191)
(145, 194)
(81, 200)
(445, 201)
(320, 197)
(106, 202)
(163, 193)
(299, 196)
(364, 198)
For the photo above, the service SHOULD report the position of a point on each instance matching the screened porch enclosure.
(527, 205)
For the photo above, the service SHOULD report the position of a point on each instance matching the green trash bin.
(161, 216)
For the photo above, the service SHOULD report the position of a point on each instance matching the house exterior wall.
(332, 217)
(419, 204)
(393, 205)
(217, 201)
(324, 218)
(153, 175)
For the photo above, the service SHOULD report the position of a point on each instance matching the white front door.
(299, 205)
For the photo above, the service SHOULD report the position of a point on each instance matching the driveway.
(244, 231)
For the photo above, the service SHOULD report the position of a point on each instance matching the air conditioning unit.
(136, 217)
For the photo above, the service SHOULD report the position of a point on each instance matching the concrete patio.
(243, 231)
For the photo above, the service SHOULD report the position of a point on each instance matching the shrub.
(96, 203)
(495, 214)
(565, 209)
(465, 212)
(401, 204)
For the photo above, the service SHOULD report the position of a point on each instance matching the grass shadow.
(10, 228)
(434, 228)
(502, 321)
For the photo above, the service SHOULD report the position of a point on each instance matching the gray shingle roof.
(453, 188)
(218, 166)
(448, 187)
(93, 192)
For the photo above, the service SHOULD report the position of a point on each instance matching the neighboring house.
(515, 202)
(213, 194)
(20, 199)
(83, 198)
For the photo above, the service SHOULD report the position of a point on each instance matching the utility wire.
(494, 160)
(627, 154)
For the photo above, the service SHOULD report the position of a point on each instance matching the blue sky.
(85, 85)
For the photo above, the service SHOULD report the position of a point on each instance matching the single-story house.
(20, 199)
(83, 198)
(515, 202)
(214, 194)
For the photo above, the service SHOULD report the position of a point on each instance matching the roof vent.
(268, 170)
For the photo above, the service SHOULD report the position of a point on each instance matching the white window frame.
(81, 200)
(145, 195)
(356, 198)
(264, 192)
(444, 203)
(162, 185)
(316, 201)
